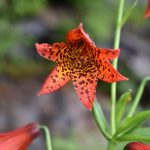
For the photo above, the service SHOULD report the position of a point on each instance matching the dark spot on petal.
(82, 82)
(103, 68)
(47, 87)
(82, 88)
(90, 81)
(81, 93)
(86, 91)
(54, 81)
(63, 78)
(56, 45)
(74, 80)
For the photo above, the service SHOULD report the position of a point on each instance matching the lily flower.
(19, 139)
(137, 146)
(147, 11)
(78, 59)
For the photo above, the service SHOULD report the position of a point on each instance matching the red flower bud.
(19, 139)
(137, 146)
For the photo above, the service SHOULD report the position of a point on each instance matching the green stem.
(138, 96)
(111, 145)
(47, 136)
(115, 62)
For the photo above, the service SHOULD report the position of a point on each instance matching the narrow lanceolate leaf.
(143, 131)
(121, 105)
(134, 137)
(109, 74)
(57, 78)
(132, 123)
(138, 96)
(100, 119)
(141, 134)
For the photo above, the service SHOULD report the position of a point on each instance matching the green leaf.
(138, 96)
(100, 119)
(143, 131)
(121, 105)
(128, 13)
(141, 135)
(132, 123)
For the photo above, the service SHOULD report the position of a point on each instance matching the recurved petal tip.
(87, 104)
(85, 36)
(36, 45)
(41, 47)
(80, 25)
(40, 93)
(44, 90)
(89, 107)
(79, 34)
(123, 78)
(117, 50)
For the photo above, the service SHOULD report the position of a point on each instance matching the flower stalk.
(47, 136)
(111, 146)
(115, 64)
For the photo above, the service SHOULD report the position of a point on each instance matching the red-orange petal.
(108, 73)
(51, 52)
(147, 11)
(19, 139)
(57, 78)
(78, 34)
(85, 86)
(103, 53)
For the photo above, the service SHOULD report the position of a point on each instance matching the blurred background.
(22, 71)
